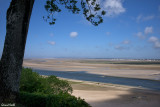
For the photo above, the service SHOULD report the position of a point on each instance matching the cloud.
(110, 44)
(113, 7)
(119, 47)
(148, 30)
(51, 42)
(123, 45)
(157, 44)
(126, 42)
(73, 34)
(144, 18)
(85, 22)
(155, 41)
(140, 35)
(51, 34)
(108, 33)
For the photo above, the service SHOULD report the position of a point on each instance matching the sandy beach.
(103, 94)
(119, 70)
(110, 95)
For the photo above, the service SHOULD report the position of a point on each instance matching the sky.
(131, 29)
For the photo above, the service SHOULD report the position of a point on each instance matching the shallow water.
(83, 75)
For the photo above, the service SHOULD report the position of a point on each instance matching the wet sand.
(106, 95)
(119, 70)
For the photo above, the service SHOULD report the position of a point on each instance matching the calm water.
(83, 75)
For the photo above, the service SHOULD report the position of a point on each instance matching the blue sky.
(131, 29)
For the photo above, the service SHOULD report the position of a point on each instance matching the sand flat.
(101, 94)
(120, 70)
(110, 95)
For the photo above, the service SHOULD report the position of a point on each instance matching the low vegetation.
(39, 91)
(140, 62)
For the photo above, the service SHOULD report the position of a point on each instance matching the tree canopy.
(91, 10)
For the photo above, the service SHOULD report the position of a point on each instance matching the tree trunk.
(18, 17)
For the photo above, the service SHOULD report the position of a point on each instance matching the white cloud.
(126, 42)
(51, 42)
(140, 35)
(144, 18)
(85, 22)
(157, 44)
(73, 34)
(113, 7)
(123, 45)
(51, 34)
(110, 44)
(118, 47)
(108, 33)
(155, 41)
(148, 30)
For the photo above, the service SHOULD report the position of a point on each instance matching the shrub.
(37, 91)
(33, 82)
(59, 86)
(44, 100)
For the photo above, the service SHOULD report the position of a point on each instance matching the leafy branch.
(91, 10)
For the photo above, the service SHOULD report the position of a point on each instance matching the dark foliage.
(39, 91)
(91, 10)
(44, 100)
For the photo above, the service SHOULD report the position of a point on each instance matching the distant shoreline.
(129, 59)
